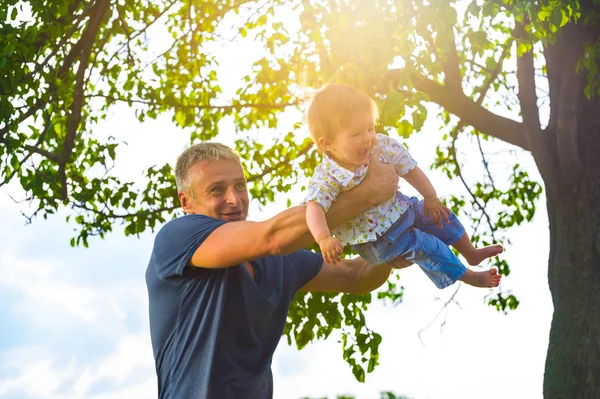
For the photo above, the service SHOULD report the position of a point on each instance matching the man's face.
(219, 191)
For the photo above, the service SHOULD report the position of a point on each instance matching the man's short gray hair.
(197, 153)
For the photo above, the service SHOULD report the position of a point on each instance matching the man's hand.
(381, 181)
(332, 249)
(353, 276)
(399, 263)
(434, 209)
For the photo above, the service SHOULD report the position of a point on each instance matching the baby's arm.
(315, 219)
(419, 180)
(331, 247)
(395, 153)
(432, 205)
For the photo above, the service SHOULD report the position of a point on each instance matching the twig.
(112, 215)
(63, 40)
(127, 33)
(225, 108)
(443, 309)
(276, 166)
(142, 31)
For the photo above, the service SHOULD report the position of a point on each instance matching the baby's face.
(352, 146)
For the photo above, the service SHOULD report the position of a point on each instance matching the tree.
(65, 63)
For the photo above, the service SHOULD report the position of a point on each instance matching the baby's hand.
(435, 210)
(332, 249)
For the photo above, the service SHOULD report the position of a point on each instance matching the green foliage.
(316, 316)
(65, 64)
(393, 292)
(589, 63)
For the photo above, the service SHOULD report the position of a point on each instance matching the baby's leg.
(454, 234)
(442, 266)
(487, 279)
(475, 255)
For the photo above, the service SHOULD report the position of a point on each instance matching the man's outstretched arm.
(237, 242)
(352, 276)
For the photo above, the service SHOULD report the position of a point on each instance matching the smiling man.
(220, 287)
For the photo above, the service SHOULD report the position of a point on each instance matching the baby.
(341, 120)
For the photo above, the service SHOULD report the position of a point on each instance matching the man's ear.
(185, 200)
(325, 143)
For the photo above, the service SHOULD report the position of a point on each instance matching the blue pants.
(417, 239)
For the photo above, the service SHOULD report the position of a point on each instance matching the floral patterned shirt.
(329, 179)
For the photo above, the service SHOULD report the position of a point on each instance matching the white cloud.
(71, 321)
(43, 295)
(129, 370)
(36, 379)
(133, 354)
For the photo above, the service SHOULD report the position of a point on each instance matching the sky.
(74, 321)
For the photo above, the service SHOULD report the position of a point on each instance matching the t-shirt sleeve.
(395, 154)
(321, 189)
(177, 241)
(322, 194)
(303, 266)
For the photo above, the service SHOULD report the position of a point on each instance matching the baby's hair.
(332, 107)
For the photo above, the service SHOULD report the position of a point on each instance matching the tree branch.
(112, 215)
(482, 91)
(494, 73)
(87, 39)
(32, 110)
(67, 63)
(34, 149)
(541, 147)
(45, 35)
(450, 63)
(199, 106)
(443, 309)
(63, 40)
(167, 51)
(469, 112)
(270, 169)
(571, 90)
(37, 150)
(127, 33)
(463, 181)
(527, 96)
(141, 31)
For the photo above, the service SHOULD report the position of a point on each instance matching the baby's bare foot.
(480, 254)
(487, 279)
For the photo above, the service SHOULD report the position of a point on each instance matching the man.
(220, 287)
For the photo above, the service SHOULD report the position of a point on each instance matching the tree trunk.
(573, 360)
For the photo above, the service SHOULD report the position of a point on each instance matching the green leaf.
(556, 17)
(405, 129)
(180, 118)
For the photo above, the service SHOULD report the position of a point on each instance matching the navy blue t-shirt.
(214, 331)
